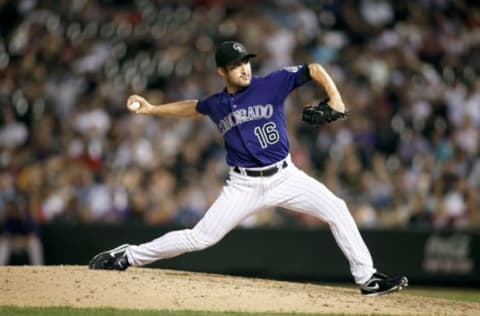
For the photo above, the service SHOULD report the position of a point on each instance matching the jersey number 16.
(267, 134)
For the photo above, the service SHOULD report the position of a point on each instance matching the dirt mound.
(143, 288)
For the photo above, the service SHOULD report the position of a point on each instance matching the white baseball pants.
(242, 196)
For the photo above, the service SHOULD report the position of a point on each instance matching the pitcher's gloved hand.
(321, 113)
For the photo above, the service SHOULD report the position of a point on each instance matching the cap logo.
(239, 47)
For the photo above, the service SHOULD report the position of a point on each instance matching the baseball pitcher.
(250, 114)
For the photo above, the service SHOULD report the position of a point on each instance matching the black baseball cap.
(230, 52)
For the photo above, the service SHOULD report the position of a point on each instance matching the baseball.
(134, 106)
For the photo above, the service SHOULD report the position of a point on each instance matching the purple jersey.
(252, 121)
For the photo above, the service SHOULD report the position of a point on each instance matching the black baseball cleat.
(113, 259)
(380, 284)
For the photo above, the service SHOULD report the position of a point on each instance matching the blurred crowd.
(408, 155)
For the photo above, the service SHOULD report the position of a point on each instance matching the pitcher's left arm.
(320, 76)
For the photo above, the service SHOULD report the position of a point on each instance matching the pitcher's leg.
(230, 208)
(305, 194)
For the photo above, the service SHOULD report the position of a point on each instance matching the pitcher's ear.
(222, 71)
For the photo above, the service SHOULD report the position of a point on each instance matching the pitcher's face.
(238, 74)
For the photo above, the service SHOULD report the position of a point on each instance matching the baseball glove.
(321, 113)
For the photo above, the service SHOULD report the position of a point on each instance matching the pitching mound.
(142, 288)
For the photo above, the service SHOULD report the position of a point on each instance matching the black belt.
(262, 173)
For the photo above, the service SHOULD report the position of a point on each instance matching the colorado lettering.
(251, 113)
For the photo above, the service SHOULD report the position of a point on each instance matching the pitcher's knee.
(201, 240)
(342, 205)
(339, 212)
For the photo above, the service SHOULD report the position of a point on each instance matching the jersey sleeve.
(289, 78)
(203, 106)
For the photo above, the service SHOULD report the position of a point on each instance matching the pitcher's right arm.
(185, 108)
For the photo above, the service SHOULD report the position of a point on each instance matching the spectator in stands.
(409, 71)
